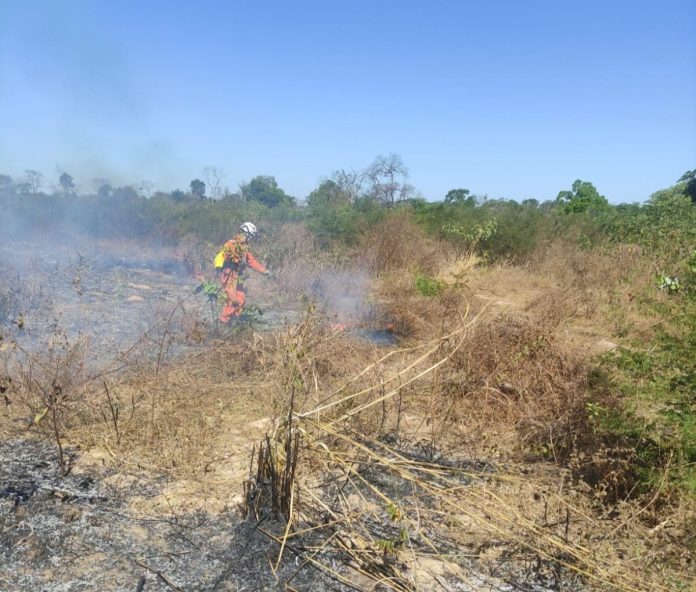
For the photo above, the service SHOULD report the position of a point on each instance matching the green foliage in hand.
(213, 291)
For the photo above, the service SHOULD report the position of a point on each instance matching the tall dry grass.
(390, 510)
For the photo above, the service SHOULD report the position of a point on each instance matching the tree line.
(384, 181)
(342, 207)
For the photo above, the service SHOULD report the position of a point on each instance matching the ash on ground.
(109, 299)
(78, 533)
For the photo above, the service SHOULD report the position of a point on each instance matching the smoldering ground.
(83, 291)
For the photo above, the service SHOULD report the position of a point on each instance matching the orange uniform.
(236, 259)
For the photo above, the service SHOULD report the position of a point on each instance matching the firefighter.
(231, 262)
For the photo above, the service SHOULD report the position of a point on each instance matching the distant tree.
(67, 183)
(329, 193)
(460, 196)
(227, 195)
(332, 215)
(6, 184)
(198, 189)
(34, 179)
(689, 177)
(387, 178)
(265, 190)
(583, 197)
(531, 203)
(104, 191)
(214, 176)
(178, 195)
(125, 193)
(99, 182)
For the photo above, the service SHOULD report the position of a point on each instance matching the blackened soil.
(78, 533)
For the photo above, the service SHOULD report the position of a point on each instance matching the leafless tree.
(387, 180)
(350, 183)
(214, 177)
(34, 179)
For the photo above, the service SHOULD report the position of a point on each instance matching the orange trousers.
(234, 293)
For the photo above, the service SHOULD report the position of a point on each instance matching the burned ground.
(107, 299)
(78, 532)
(82, 532)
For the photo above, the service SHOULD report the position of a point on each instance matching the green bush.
(658, 419)
(430, 287)
(665, 226)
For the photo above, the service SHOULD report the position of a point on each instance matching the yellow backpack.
(233, 251)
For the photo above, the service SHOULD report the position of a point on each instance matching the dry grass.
(399, 244)
(50, 389)
(519, 383)
(606, 287)
(349, 402)
(486, 371)
(377, 502)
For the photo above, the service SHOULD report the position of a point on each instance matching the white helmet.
(249, 229)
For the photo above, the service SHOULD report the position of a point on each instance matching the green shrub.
(658, 419)
(430, 287)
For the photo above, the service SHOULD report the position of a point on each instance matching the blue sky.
(508, 98)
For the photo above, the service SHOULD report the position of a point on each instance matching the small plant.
(595, 414)
(670, 284)
(585, 242)
(392, 546)
(429, 287)
(691, 274)
(691, 263)
(386, 546)
(394, 512)
(251, 317)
